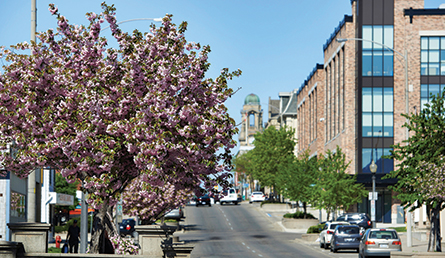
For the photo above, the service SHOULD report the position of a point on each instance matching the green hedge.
(54, 250)
(298, 215)
(315, 229)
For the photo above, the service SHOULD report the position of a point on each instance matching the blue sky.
(275, 43)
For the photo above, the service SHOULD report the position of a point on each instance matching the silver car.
(327, 232)
(379, 242)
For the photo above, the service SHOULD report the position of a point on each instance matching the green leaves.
(424, 148)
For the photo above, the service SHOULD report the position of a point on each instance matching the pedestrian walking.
(73, 237)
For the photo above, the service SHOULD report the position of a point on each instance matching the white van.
(229, 196)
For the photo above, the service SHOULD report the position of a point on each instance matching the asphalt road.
(240, 231)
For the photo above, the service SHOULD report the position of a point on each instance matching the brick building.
(383, 52)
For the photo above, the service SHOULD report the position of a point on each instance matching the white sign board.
(61, 199)
(375, 196)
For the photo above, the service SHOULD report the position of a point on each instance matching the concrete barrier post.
(33, 236)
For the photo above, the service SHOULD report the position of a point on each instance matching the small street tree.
(335, 188)
(420, 169)
(298, 177)
(273, 148)
(242, 167)
(106, 116)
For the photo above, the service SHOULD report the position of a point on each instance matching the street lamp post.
(405, 58)
(373, 168)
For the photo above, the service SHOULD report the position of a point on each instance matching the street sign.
(375, 196)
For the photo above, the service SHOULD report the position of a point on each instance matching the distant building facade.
(355, 99)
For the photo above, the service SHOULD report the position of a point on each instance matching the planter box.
(276, 206)
(299, 223)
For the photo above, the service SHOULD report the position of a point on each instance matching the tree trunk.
(435, 230)
(305, 209)
(103, 227)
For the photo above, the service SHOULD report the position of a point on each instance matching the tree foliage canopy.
(424, 148)
(108, 116)
(334, 187)
(273, 148)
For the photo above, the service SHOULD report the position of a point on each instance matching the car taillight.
(369, 243)
(128, 227)
(397, 243)
(369, 223)
(330, 232)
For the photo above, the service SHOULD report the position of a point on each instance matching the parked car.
(379, 242)
(345, 237)
(327, 232)
(176, 214)
(126, 227)
(360, 219)
(229, 196)
(257, 197)
(203, 200)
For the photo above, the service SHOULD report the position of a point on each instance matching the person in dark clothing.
(73, 237)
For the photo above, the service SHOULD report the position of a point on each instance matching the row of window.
(432, 56)
(376, 154)
(378, 60)
(377, 112)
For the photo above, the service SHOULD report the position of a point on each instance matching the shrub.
(315, 229)
(298, 215)
(54, 250)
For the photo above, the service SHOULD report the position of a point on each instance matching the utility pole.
(31, 203)
(83, 223)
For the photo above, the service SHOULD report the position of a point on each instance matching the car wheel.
(236, 203)
(321, 245)
(250, 202)
(222, 203)
(210, 205)
(358, 251)
(334, 250)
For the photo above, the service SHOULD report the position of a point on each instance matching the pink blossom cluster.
(431, 181)
(123, 246)
(141, 117)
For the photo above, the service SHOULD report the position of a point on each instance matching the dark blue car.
(346, 237)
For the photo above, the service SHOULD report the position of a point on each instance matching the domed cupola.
(252, 99)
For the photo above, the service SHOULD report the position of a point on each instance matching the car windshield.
(383, 235)
(333, 226)
(348, 230)
(341, 218)
(354, 217)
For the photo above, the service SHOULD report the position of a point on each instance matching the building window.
(376, 59)
(432, 56)
(377, 112)
(18, 205)
(383, 165)
(429, 90)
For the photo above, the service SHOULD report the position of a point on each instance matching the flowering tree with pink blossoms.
(141, 117)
